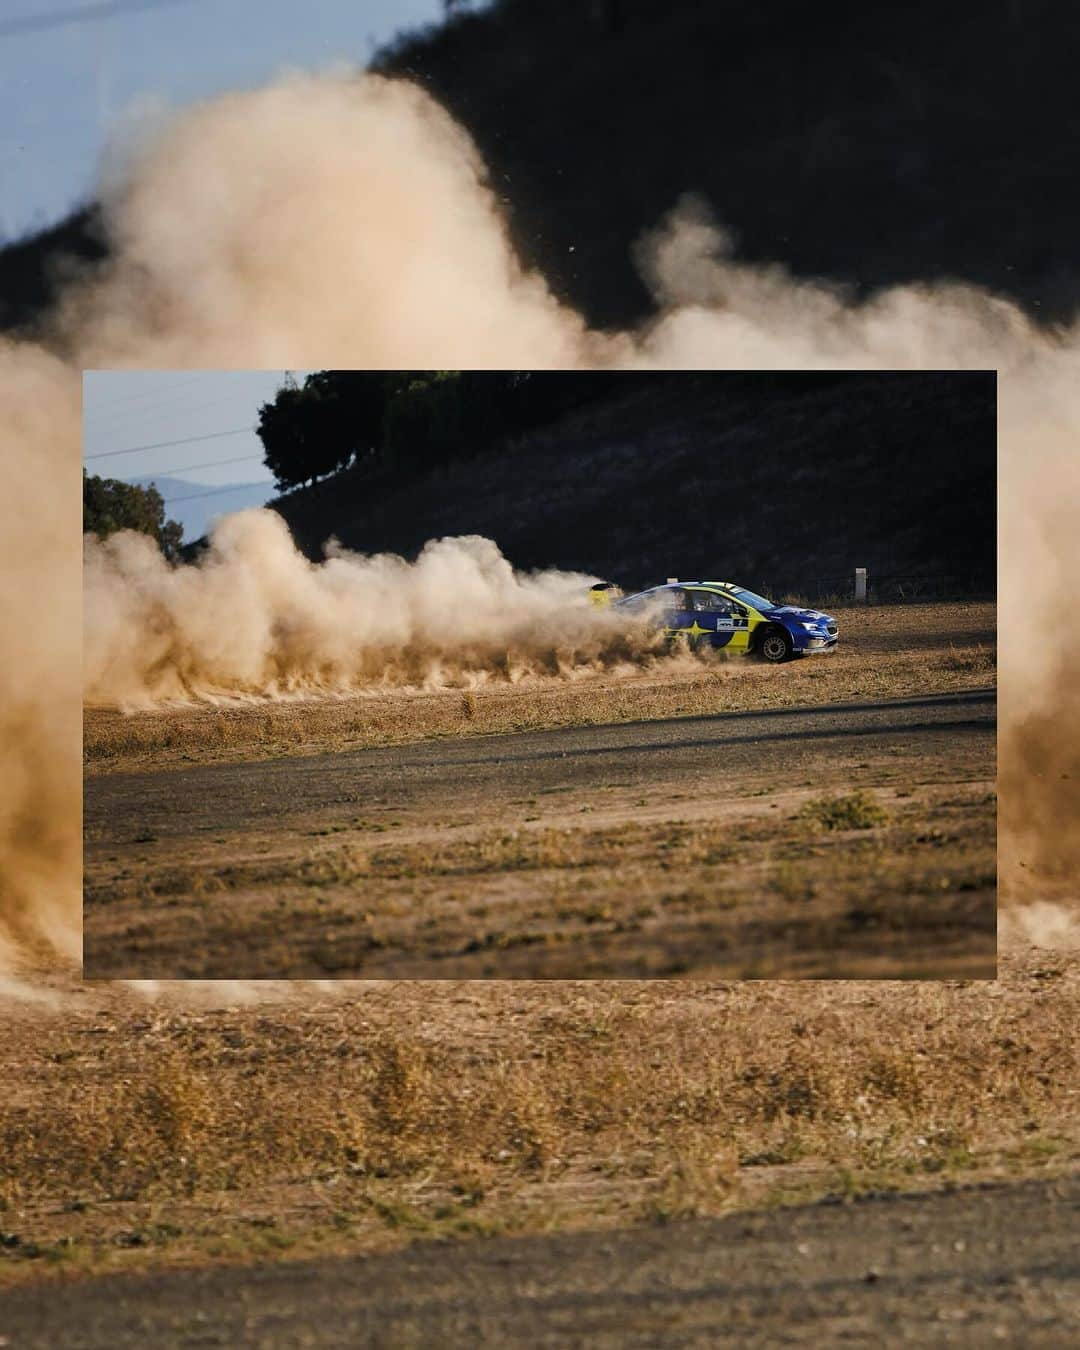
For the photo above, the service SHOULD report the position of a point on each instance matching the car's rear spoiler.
(603, 592)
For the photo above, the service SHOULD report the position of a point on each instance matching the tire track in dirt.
(974, 1266)
(434, 773)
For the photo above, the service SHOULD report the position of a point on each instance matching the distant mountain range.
(198, 512)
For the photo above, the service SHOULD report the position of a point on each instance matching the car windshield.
(750, 598)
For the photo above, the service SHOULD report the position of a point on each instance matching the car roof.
(678, 586)
(672, 585)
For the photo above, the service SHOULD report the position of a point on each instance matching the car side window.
(709, 602)
(675, 600)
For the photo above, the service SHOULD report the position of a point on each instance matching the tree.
(322, 426)
(408, 422)
(285, 432)
(110, 505)
(411, 420)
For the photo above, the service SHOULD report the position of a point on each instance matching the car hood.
(805, 615)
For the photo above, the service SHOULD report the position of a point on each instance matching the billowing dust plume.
(345, 222)
(40, 674)
(317, 222)
(255, 617)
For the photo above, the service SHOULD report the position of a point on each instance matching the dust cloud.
(40, 674)
(322, 221)
(342, 221)
(256, 618)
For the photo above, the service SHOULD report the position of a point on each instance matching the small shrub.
(855, 811)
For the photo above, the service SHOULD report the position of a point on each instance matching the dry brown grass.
(886, 652)
(630, 876)
(899, 885)
(166, 1134)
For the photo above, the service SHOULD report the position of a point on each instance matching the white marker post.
(860, 585)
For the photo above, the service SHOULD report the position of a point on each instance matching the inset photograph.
(539, 675)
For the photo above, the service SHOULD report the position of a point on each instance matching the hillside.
(33, 270)
(783, 481)
(867, 144)
(871, 144)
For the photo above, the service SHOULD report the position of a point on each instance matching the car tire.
(775, 645)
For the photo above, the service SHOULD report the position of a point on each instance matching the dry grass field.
(172, 1126)
(897, 882)
(148, 1132)
(290, 847)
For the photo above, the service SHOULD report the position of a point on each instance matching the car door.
(741, 623)
(677, 612)
(714, 620)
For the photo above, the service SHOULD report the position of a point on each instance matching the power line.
(168, 396)
(162, 445)
(214, 492)
(153, 421)
(137, 399)
(212, 390)
(36, 23)
(190, 468)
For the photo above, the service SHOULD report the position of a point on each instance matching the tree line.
(110, 505)
(409, 420)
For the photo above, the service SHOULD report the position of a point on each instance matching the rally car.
(721, 614)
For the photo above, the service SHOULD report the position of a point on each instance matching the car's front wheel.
(775, 645)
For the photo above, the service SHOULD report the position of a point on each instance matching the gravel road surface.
(983, 1266)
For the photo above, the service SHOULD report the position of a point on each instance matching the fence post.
(860, 585)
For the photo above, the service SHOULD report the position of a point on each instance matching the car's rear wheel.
(775, 645)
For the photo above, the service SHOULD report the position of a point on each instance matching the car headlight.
(810, 627)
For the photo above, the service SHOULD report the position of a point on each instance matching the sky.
(66, 86)
(196, 425)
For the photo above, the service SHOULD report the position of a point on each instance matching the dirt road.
(448, 775)
(652, 848)
(972, 1267)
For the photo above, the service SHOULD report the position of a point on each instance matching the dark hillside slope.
(873, 144)
(868, 143)
(33, 271)
(777, 480)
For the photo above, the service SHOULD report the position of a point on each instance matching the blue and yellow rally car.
(721, 614)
